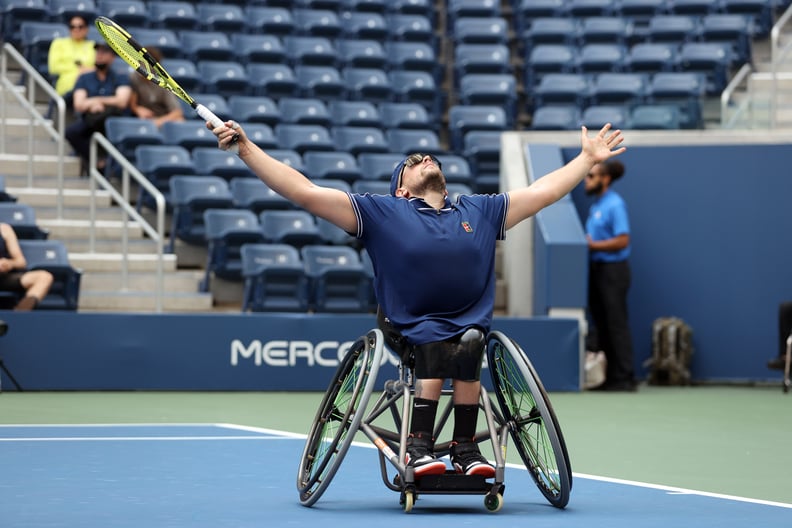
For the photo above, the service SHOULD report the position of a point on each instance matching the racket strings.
(134, 56)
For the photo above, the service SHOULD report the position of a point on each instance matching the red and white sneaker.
(467, 459)
(421, 458)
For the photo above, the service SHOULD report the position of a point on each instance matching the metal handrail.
(122, 199)
(34, 81)
(728, 92)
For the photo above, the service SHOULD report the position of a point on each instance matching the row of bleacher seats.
(636, 117)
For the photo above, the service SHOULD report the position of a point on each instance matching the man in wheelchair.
(434, 264)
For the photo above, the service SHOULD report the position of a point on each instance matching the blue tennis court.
(234, 476)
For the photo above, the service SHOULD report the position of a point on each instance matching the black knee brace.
(457, 358)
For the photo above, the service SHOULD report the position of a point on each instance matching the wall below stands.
(87, 351)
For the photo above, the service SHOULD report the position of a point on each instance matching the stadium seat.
(126, 133)
(331, 165)
(411, 7)
(189, 197)
(563, 89)
(316, 22)
(372, 186)
(462, 119)
(594, 117)
(411, 28)
(128, 13)
(4, 196)
(481, 31)
(605, 30)
(338, 281)
(556, 117)
(713, 59)
(527, 10)
(214, 102)
(63, 10)
(206, 45)
(550, 30)
(414, 56)
(258, 48)
(172, 16)
(289, 157)
(334, 235)
(549, 58)
(672, 28)
(227, 230)
(364, 25)
(36, 38)
(456, 169)
(358, 6)
(405, 115)
(254, 195)
(306, 111)
(759, 10)
(184, 71)
(290, 226)
(369, 84)
(619, 88)
(262, 135)
(735, 29)
(22, 219)
(472, 9)
(211, 160)
(323, 82)
(651, 57)
(417, 87)
(332, 5)
(655, 117)
(378, 165)
(354, 113)
(163, 39)
(225, 78)
(359, 140)
(481, 58)
(597, 58)
(158, 163)
(302, 138)
(490, 89)
(275, 279)
(640, 10)
(310, 51)
(254, 109)
(188, 134)
(693, 7)
(52, 255)
(455, 190)
(269, 20)
(221, 17)
(685, 90)
(272, 80)
(588, 8)
(361, 53)
(408, 141)
(482, 150)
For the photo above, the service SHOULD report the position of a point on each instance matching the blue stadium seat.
(52, 255)
(596, 58)
(606, 30)
(184, 71)
(490, 89)
(305, 111)
(693, 7)
(189, 197)
(364, 25)
(481, 31)
(258, 48)
(594, 117)
(254, 195)
(481, 58)
(462, 119)
(22, 218)
(338, 281)
(551, 30)
(472, 9)
(254, 109)
(311, 51)
(411, 28)
(735, 29)
(188, 134)
(588, 8)
(216, 162)
(354, 113)
(455, 190)
(556, 117)
(456, 169)
(289, 157)
(640, 10)
(549, 58)
(206, 45)
(128, 13)
(35, 40)
(158, 163)
(323, 82)
(482, 150)
(655, 117)
(411, 7)
(408, 141)
(262, 135)
(672, 28)
(369, 84)
(63, 10)
(163, 39)
(359, 140)
(372, 186)
(686, 90)
(126, 133)
(317, 22)
(334, 235)
(272, 80)
(405, 115)
(361, 53)
(214, 102)
(713, 59)
(275, 279)
(619, 88)
(174, 15)
(331, 165)
(269, 20)
(651, 57)
(221, 17)
(759, 10)
(527, 10)
(414, 56)
(290, 226)
(225, 78)
(368, 6)
(563, 89)
(302, 138)
(332, 5)
(378, 165)
(227, 230)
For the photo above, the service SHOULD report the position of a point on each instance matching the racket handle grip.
(208, 115)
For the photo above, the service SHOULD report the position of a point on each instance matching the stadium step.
(143, 302)
(174, 282)
(89, 262)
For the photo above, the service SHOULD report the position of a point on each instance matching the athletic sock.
(465, 417)
(423, 417)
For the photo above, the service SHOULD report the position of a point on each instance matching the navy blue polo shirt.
(434, 270)
(96, 87)
(607, 219)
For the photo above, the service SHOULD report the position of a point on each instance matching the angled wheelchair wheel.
(531, 421)
(338, 417)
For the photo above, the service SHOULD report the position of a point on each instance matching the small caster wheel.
(786, 386)
(407, 501)
(493, 503)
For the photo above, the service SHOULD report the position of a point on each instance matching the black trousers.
(784, 325)
(609, 283)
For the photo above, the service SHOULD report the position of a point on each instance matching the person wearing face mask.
(98, 94)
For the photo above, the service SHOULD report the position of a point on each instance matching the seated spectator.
(784, 329)
(149, 101)
(33, 284)
(98, 94)
(71, 56)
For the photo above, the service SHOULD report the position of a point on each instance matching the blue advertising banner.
(272, 352)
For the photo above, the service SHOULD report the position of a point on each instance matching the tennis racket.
(146, 65)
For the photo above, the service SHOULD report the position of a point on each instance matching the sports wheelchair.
(523, 412)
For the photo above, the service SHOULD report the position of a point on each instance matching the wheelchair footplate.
(451, 483)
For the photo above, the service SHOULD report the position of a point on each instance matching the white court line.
(137, 438)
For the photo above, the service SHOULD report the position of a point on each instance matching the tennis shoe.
(421, 457)
(468, 460)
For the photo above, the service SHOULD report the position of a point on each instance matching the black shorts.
(12, 281)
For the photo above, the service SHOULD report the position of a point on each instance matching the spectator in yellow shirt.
(71, 56)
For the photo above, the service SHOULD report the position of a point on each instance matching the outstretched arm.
(330, 204)
(550, 188)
